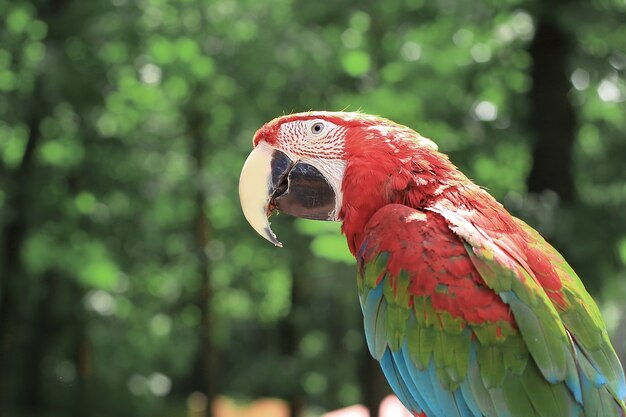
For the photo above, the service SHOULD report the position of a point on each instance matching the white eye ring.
(317, 128)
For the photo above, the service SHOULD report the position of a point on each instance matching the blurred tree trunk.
(44, 328)
(552, 117)
(289, 335)
(14, 234)
(82, 355)
(48, 325)
(205, 372)
(288, 331)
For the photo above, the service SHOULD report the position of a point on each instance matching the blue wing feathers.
(447, 399)
(466, 391)
(421, 383)
(462, 404)
(414, 389)
(396, 382)
(419, 390)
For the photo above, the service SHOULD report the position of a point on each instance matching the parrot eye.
(317, 128)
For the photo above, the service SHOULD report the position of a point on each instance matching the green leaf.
(356, 63)
(95, 267)
(332, 247)
(18, 19)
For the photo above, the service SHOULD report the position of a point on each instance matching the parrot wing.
(462, 329)
(500, 244)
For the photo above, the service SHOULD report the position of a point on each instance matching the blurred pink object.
(392, 407)
(265, 407)
(268, 407)
(353, 411)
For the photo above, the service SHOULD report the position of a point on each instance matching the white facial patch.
(300, 138)
(319, 143)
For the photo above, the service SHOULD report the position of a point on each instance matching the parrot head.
(326, 165)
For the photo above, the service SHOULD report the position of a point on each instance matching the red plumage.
(441, 266)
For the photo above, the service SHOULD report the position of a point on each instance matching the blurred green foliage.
(126, 264)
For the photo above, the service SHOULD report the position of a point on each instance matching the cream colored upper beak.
(254, 183)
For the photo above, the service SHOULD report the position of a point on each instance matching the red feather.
(440, 267)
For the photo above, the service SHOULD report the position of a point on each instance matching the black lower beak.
(300, 190)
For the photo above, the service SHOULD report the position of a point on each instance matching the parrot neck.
(416, 178)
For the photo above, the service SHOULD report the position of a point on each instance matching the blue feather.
(466, 391)
(421, 381)
(371, 319)
(462, 405)
(426, 389)
(397, 384)
(446, 399)
(414, 389)
(572, 379)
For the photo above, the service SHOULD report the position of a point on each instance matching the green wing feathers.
(582, 318)
(559, 321)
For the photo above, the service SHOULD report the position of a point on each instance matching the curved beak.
(271, 181)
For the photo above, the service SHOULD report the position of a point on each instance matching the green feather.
(427, 338)
(396, 293)
(439, 359)
(413, 342)
(419, 308)
(601, 403)
(495, 276)
(549, 400)
(582, 318)
(485, 332)
(397, 317)
(544, 338)
(458, 357)
(375, 269)
(449, 324)
(480, 394)
(515, 355)
(515, 398)
(380, 344)
(587, 331)
(534, 313)
(491, 362)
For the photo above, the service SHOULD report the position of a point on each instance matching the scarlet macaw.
(469, 310)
